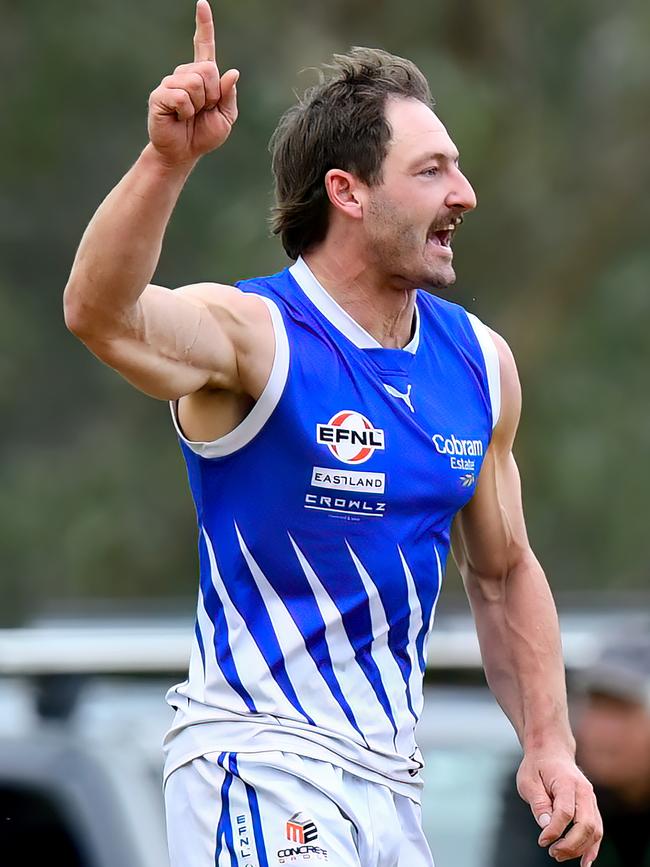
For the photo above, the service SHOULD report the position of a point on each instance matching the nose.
(461, 195)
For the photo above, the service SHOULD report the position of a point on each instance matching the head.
(364, 153)
(613, 722)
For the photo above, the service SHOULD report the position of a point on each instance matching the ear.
(343, 191)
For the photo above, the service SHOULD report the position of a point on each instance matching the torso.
(324, 527)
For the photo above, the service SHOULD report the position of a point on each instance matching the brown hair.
(339, 123)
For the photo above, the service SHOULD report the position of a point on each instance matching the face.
(613, 739)
(410, 218)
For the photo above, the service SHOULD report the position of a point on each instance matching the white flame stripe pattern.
(437, 596)
(354, 683)
(433, 610)
(415, 626)
(301, 669)
(250, 661)
(392, 678)
(197, 678)
(199, 675)
(213, 672)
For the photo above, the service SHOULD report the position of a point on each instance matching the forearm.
(520, 643)
(120, 248)
(519, 635)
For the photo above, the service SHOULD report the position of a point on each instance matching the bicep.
(489, 534)
(176, 342)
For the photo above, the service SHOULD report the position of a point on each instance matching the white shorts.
(267, 809)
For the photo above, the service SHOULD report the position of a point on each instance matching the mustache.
(441, 223)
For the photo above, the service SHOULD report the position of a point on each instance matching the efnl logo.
(350, 437)
(301, 830)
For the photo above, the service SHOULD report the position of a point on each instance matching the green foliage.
(548, 104)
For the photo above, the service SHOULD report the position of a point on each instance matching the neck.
(385, 311)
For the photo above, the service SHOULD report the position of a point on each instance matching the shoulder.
(250, 326)
(249, 323)
(243, 308)
(460, 323)
(509, 375)
(244, 317)
(506, 427)
(440, 306)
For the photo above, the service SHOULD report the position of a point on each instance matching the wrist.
(555, 741)
(168, 170)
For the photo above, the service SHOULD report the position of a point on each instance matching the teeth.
(443, 235)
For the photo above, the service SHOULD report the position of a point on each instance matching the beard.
(402, 249)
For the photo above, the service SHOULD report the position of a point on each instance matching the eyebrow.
(450, 156)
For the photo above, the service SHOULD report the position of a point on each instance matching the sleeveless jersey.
(324, 522)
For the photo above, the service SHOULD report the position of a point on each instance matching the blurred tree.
(548, 104)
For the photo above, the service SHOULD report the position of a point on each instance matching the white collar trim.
(337, 316)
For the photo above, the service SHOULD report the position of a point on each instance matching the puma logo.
(405, 396)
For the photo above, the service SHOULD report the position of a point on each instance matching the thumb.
(538, 799)
(228, 102)
(542, 809)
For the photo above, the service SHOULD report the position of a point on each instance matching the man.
(612, 716)
(335, 420)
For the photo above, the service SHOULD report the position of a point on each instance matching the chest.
(381, 434)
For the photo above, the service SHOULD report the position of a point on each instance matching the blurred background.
(548, 104)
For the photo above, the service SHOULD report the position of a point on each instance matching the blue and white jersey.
(324, 523)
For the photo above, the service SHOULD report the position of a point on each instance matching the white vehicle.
(83, 716)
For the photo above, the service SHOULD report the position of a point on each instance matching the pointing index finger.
(204, 47)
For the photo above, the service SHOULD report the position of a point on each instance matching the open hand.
(563, 803)
(193, 111)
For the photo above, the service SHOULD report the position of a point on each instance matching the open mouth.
(442, 237)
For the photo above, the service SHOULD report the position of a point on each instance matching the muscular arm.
(519, 636)
(512, 604)
(168, 344)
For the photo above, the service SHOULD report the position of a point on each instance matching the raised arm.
(168, 344)
(519, 636)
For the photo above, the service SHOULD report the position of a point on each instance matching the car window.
(461, 802)
(35, 831)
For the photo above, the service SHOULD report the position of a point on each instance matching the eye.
(431, 172)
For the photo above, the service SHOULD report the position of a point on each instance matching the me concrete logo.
(350, 437)
(301, 830)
